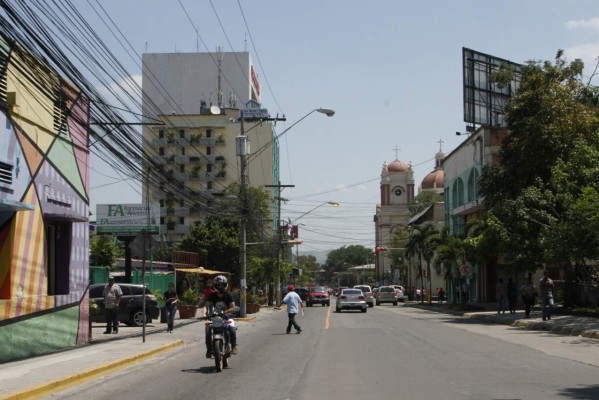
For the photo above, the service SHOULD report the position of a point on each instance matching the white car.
(368, 294)
(401, 292)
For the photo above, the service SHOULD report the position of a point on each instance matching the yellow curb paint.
(89, 374)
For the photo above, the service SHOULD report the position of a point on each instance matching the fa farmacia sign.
(127, 219)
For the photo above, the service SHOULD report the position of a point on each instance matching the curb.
(86, 375)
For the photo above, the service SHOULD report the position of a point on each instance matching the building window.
(181, 203)
(161, 151)
(181, 185)
(182, 133)
(161, 220)
(182, 220)
(209, 168)
(209, 185)
(208, 150)
(161, 202)
(161, 134)
(182, 168)
(182, 152)
(208, 133)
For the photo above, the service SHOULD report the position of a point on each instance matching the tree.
(547, 174)
(341, 259)
(422, 243)
(424, 199)
(104, 251)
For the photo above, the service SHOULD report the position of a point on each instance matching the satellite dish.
(214, 110)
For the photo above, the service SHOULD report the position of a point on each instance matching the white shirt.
(292, 300)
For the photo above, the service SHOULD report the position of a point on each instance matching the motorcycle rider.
(222, 299)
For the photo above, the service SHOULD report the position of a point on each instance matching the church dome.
(397, 166)
(434, 180)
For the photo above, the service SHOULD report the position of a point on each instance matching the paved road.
(389, 352)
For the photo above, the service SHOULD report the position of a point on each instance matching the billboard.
(484, 101)
(127, 219)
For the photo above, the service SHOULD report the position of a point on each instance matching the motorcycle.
(220, 324)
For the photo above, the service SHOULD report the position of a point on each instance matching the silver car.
(351, 299)
(386, 294)
(401, 292)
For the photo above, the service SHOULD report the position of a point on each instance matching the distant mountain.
(321, 256)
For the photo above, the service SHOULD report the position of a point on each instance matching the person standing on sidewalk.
(171, 298)
(112, 297)
(528, 292)
(501, 296)
(292, 300)
(546, 288)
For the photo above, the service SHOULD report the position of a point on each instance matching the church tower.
(397, 193)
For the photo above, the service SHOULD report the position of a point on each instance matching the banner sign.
(127, 219)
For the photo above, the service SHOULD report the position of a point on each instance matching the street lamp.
(245, 158)
(332, 203)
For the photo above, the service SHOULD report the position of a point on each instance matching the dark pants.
(170, 316)
(528, 303)
(232, 336)
(292, 323)
(112, 319)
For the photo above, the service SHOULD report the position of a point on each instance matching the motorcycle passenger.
(221, 299)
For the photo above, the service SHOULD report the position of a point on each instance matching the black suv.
(130, 306)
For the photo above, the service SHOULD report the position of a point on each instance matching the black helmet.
(220, 283)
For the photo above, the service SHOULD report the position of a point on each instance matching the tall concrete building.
(191, 107)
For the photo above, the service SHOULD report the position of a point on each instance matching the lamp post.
(242, 152)
(332, 203)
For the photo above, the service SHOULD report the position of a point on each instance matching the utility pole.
(279, 241)
(242, 152)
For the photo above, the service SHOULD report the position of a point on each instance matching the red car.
(318, 295)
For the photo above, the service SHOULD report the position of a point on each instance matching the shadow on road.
(582, 392)
(202, 370)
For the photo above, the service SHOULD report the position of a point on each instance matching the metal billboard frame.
(484, 101)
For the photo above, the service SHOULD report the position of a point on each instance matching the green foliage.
(541, 196)
(424, 199)
(347, 256)
(189, 298)
(104, 251)
(163, 253)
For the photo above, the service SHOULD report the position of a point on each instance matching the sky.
(391, 70)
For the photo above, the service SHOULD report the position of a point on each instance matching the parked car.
(367, 290)
(351, 299)
(401, 292)
(318, 295)
(303, 293)
(130, 306)
(386, 294)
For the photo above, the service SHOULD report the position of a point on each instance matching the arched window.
(473, 185)
(458, 192)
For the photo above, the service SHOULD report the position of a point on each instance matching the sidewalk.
(567, 325)
(41, 376)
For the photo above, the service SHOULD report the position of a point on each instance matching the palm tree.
(422, 242)
(449, 252)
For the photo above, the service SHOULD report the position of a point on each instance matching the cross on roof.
(396, 152)
(440, 141)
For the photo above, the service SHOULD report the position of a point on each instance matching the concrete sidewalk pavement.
(40, 376)
(567, 325)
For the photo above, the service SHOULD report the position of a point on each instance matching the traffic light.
(380, 248)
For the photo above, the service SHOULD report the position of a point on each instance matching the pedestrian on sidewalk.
(293, 300)
(112, 296)
(512, 295)
(546, 288)
(500, 293)
(171, 299)
(528, 292)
